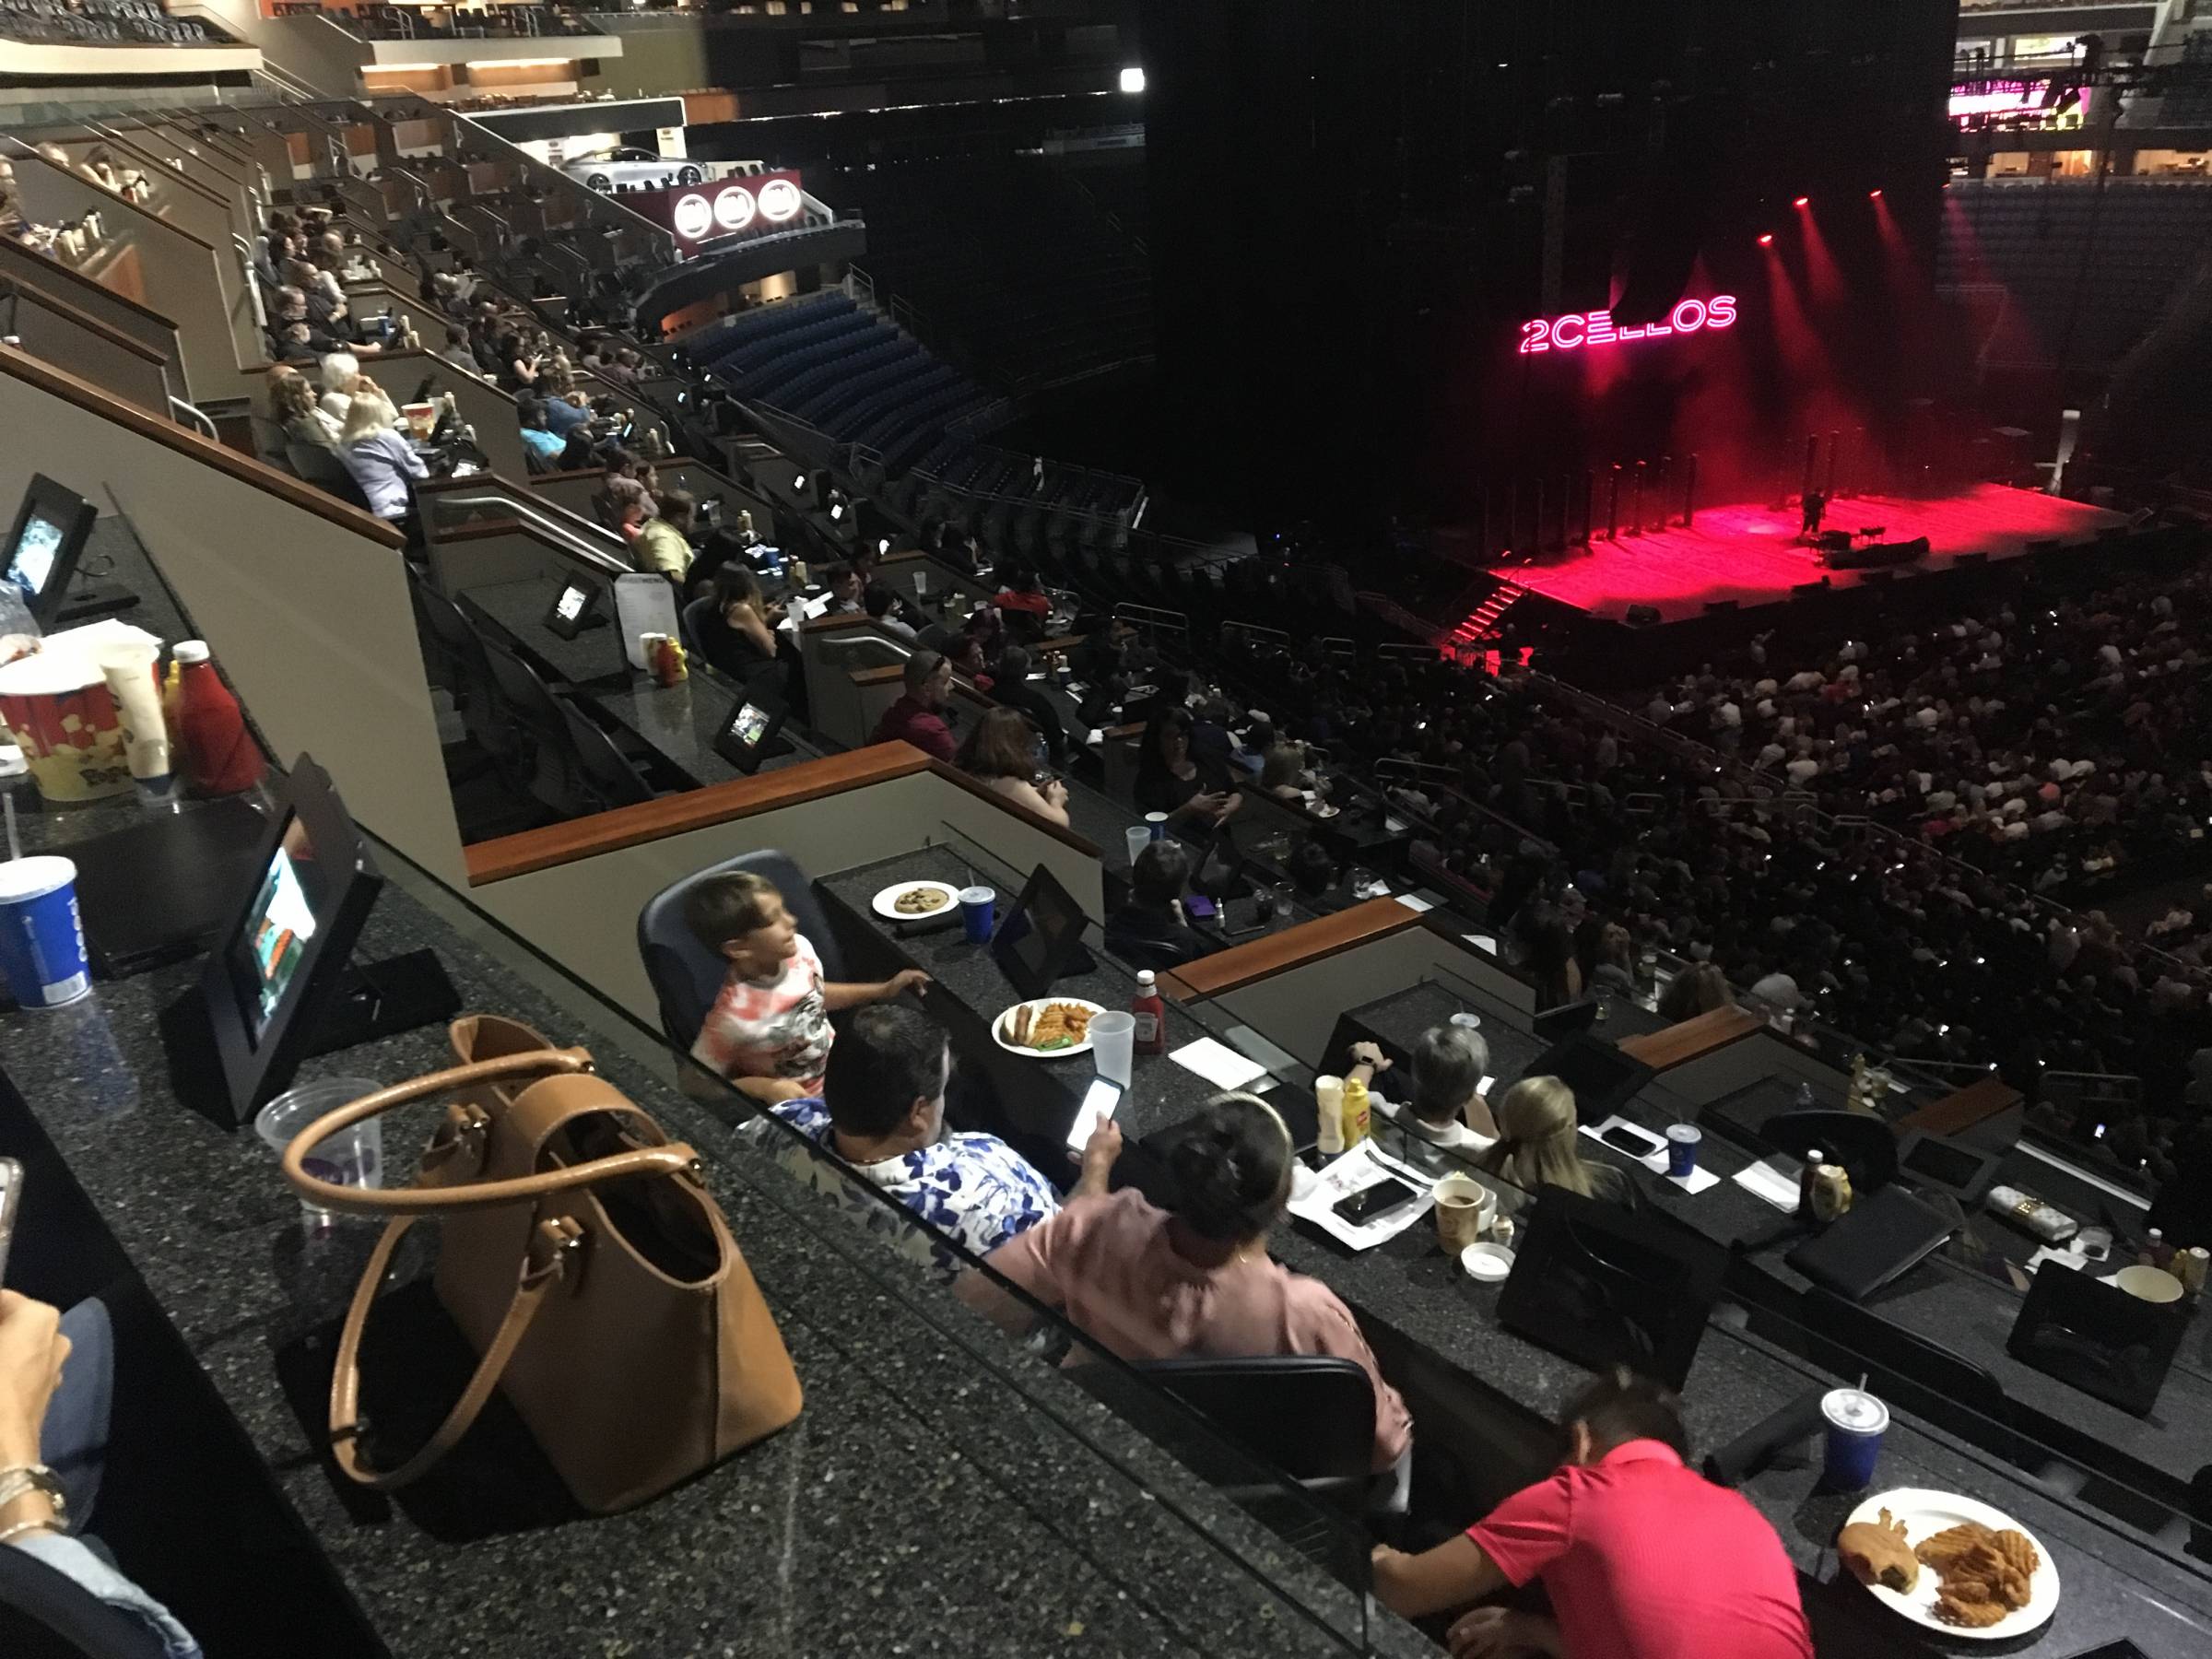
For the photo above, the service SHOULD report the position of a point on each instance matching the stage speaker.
(1834, 541)
(1642, 615)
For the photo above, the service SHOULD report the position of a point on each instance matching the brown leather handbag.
(585, 1262)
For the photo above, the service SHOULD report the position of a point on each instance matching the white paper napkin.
(1773, 1179)
(1218, 1063)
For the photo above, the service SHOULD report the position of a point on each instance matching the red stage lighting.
(1802, 202)
(1766, 239)
(1873, 195)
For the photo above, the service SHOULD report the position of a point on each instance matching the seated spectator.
(1640, 1555)
(735, 627)
(626, 499)
(1150, 928)
(1025, 604)
(293, 405)
(567, 409)
(1002, 752)
(325, 298)
(381, 461)
(1153, 1284)
(966, 654)
(881, 603)
(623, 368)
(1282, 774)
(1605, 954)
(57, 1379)
(293, 339)
(664, 542)
(343, 381)
(1450, 1065)
(1551, 959)
(723, 546)
(518, 364)
(915, 717)
(1315, 878)
(882, 1112)
(845, 587)
(769, 1031)
(1537, 1147)
(543, 447)
(1698, 989)
(1195, 798)
(1012, 686)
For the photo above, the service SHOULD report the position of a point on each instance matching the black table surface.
(1409, 1286)
(679, 723)
(1042, 1530)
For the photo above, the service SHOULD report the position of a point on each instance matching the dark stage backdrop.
(1357, 209)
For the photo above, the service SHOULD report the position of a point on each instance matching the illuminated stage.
(1750, 554)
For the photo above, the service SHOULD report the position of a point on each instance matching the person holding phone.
(1148, 1283)
(882, 1112)
(1195, 794)
(1537, 1147)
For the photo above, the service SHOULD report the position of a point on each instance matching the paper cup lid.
(1855, 1409)
(48, 674)
(22, 878)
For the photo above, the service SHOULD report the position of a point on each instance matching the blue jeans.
(74, 1438)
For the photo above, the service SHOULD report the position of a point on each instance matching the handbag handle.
(550, 1243)
(420, 1200)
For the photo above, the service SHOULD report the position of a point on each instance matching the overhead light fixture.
(1766, 239)
(1873, 195)
(1133, 79)
(1802, 202)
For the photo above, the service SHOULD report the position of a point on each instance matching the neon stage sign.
(1577, 329)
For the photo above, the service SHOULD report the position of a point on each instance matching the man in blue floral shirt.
(883, 1113)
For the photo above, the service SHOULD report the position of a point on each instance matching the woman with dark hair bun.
(1196, 1279)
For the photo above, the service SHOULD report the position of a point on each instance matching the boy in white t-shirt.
(769, 1029)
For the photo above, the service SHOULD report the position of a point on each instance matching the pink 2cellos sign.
(1577, 329)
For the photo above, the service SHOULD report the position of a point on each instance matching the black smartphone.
(1635, 1142)
(1368, 1203)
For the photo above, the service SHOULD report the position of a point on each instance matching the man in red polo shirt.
(914, 718)
(1642, 1557)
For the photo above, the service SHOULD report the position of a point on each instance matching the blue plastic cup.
(1682, 1142)
(977, 904)
(41, 937)
(1856, 1422)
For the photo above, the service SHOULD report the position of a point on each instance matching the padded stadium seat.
(686, 975)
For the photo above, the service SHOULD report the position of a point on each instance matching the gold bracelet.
(9, 1535)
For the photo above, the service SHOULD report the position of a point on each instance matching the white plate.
(1007, 1013)
(1925, 1513)
(885, 903)
(1488, 1262)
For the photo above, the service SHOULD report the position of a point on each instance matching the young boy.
(769, 1029)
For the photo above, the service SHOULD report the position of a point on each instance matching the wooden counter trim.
(1243, 965)
(69, 274)
(243, 467)
(1963, 1108)
(87, 321)
(1691, 1039)
(976, 786)
(883, 673)
(694, 809)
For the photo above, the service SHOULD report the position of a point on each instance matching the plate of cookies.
(1951, 1563)
(917, 901)
(1051, 1028)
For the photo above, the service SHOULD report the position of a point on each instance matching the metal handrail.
(194, 416)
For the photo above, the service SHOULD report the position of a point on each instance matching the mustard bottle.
(1357, 1113)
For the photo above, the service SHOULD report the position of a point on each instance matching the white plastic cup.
(1139, 837)
(353, 1157)
(1113, 1046)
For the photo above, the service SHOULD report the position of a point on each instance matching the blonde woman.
(292, 406)
(1537, 1147)
(381, 462)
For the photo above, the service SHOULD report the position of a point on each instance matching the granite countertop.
(518, 609)
(942, 1492)
(681, 722)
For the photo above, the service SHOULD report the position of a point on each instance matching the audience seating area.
(103, 23)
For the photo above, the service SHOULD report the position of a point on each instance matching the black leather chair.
(1312, 1417)
(554, 774)
(686, 974)
(1929, 1364)
(48, 1615)
(607, 771)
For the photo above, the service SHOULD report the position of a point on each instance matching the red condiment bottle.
(219, 756)
(1151, 1015)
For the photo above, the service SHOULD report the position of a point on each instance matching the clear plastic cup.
(1113, 1046)
(1139, 837)
(353, 1157)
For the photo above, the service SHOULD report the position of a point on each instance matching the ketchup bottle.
(1151, 1015)
(219, 756)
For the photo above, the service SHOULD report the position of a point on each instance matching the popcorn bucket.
(58, 708)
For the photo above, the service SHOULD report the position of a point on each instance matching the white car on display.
(635, 167)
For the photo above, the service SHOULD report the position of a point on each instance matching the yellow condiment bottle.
(1357, 1113)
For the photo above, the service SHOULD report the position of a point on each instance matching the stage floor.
(1750, 554)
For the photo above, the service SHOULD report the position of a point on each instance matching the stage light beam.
(1802, 202)
(1766, 239)
(1873, 195)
